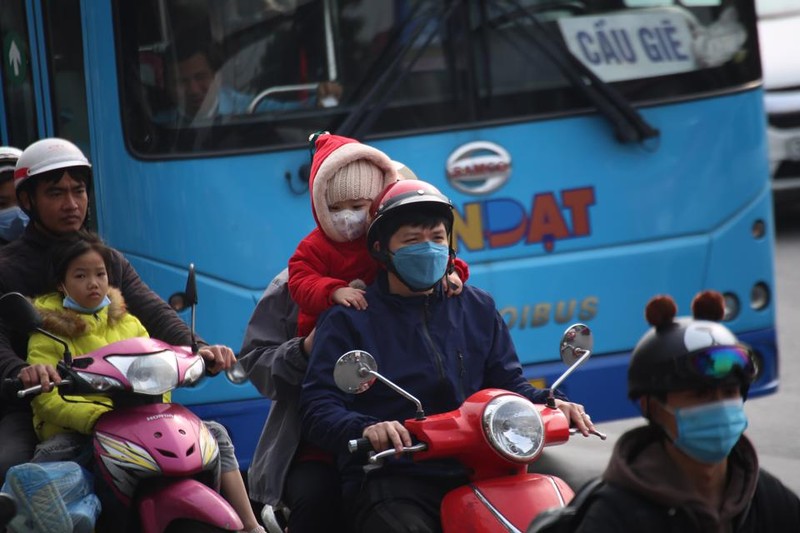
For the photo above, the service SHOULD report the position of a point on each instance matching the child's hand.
(453, 284)
(350, 297)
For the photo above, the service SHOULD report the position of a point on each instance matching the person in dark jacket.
(691, 469)
(12, 219)
(440, 349)
(275, 360)
(52, 180)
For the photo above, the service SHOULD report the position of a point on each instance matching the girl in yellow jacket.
(88, 314)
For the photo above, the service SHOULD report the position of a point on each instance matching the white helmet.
(8, 158)
(45, 155)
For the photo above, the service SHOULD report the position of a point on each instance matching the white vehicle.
(779, 39)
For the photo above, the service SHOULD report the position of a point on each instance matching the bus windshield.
(204, 76)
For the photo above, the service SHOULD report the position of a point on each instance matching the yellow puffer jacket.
(83, 333)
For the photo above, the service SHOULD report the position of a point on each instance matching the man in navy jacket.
(440, 349)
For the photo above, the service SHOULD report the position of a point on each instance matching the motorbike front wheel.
(192, 526)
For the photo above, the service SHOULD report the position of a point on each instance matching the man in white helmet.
(53, 179)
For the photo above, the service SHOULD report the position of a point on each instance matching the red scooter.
(495, 433)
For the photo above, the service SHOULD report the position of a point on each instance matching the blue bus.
(598, 152)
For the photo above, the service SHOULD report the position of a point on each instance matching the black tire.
(192, 526)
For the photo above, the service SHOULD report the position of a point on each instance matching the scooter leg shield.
(501, 505)
(185, 498)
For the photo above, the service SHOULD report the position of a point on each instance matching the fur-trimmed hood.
(332, 152)
(68, 323)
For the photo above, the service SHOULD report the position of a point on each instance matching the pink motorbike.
(159, 459)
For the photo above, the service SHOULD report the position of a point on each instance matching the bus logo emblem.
(478, 167)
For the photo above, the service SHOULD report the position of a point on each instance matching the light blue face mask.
(12, 222)
(421, 265)
(709, 432)
(70, 303)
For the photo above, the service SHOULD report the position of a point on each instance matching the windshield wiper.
(628, 123)
(377, 98)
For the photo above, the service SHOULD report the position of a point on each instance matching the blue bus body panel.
(585, 229)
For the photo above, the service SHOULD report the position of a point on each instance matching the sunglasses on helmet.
(719, 361)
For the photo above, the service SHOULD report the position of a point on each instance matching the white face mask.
(351, 224)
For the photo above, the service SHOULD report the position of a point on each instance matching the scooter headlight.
(154, 373)
(514, 427)
(100, 383)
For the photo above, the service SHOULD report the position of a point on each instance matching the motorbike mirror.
(352, 372)
(18, 312)
(190, 300)
(356, 371)
(575, 343)
(576, 347)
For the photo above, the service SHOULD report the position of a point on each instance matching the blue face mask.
(420, 266)
(12, 222)
(709, 432)
(70, 303)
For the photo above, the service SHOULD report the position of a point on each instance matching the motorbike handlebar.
(359, 445)
(603, 436)
(36, 389)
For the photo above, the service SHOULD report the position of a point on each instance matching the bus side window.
(67, 75)
(19, 103)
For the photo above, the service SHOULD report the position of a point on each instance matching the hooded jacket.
(83, 333)
(24, 269)
(325, 260)
(646, 492)
(439, 349)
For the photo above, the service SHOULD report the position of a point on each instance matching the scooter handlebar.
(36, 389)
(359, 445)
(603, 436)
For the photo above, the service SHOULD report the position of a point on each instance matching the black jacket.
(24, 268)
(643, 493)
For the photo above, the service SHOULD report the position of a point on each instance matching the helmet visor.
(719, 362)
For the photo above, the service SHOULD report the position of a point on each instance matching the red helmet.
(407, 196)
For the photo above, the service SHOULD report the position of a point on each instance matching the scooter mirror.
(576, 343)
(19, 313)
(352, 371)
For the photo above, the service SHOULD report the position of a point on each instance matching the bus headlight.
(514, 427)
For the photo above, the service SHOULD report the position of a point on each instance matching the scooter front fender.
(185, 498)
(507, 504)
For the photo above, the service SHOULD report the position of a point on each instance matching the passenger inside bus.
(199, 92)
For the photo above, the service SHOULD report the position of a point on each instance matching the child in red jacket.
(332, 264)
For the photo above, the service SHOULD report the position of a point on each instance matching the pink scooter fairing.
(159, 459)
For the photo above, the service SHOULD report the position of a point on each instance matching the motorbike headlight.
(195, 372)
(514, 427)
(154, 373)
(100, 383)
(208, 445)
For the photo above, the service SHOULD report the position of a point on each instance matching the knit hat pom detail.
(660, 311)
(708, 305)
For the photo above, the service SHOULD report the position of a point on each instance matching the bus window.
(67, 80)
(220, 75)
(406, 66)
(17, 76)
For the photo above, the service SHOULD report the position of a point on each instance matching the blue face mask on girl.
(12, 222)
(709, 432)
(421, 265)
(70, 303)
